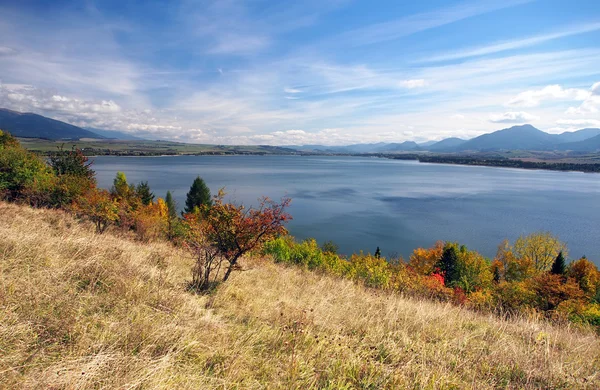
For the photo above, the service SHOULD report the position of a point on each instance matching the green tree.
(171, 205)
(449, 264)
(559, 266)
(171, 215)
(143, 192)
(120, 188)
(71, 162)
(199, 195)
(330, 246)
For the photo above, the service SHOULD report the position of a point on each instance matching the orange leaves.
(98, 206)
(424, 261)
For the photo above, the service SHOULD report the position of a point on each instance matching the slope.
(588, 145)
(30, 125)
(89, 311)
(525, 137)
(446, 144)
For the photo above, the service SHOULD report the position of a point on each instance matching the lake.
(362, 203)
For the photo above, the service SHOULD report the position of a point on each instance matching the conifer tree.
(449, 265)
(378, 253)
(171, 206)
(558, 267)
(143, 192)
(198, 195)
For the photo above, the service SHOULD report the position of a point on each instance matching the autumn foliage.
(529, 276)
(224, 232)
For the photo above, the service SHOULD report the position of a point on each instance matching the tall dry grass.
(79, 311)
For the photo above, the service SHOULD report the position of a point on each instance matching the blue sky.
(327, 72)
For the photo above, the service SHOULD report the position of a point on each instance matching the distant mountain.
(525, 137)
(587, 145)
(427, 144)
(36, 126)
(115, 134)
(579, 135)
(446, 144)
(407, 146)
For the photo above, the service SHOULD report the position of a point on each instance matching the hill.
(588, 145)
(30, 125)
(398, 147)
(576, 136)
(525, 137)
(446, 144)
(88, 311)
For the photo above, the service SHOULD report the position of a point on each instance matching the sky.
(331, 72)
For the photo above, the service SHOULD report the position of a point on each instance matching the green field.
(147, 148)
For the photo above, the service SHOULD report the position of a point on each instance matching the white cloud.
(292, 90)
(5, 51)
(590, 105)
(579, 122)
(513, 117)
(413, 83)
(532, 98)
(457, 116)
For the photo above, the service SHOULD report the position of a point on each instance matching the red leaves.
(234, 230)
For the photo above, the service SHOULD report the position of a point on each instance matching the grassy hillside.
(80, 310)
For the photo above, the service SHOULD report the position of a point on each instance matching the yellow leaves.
(539, 250)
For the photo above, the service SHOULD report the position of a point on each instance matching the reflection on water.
(362, 203)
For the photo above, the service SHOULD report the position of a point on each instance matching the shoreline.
(466, 161)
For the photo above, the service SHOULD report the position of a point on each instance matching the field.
(135, 148)
(81, 310)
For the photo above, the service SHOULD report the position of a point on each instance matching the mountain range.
(28, 125)
(523, 137)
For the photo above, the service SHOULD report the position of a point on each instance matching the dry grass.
(83, 311)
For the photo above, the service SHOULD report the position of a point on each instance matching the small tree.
(143, 192)
(539, 250)
(71, 162)
(224, 232)
(330, 247)
(171, 215)
(449, 264)
(120, 188)
(98, 206)
(377, 253)
(559, 266)
(198, 196)
(171, 205)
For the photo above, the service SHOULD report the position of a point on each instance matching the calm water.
(362, 203)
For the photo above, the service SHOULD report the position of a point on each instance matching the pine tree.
(449, 265)
(198, 195)
(143, 192)
(378, 253)
(558, 267)
(171, 206)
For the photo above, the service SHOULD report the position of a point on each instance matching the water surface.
(362, 203)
